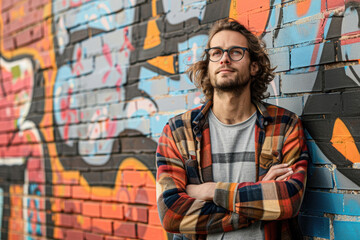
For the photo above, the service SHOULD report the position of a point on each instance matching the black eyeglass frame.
(226, 50)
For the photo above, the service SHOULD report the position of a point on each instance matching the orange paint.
(252, 14)
(165, 63)
(303, 7)
(152, 35)
(343, 141)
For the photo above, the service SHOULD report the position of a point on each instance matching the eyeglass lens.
(235, 54)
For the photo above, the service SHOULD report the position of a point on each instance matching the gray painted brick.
(117, 110)
(109, 95)
(294, 104)
(155, 86)
(180, 85)
(90, 99)
(323, 104)
(297, 83)
(351, 102)
(92, 46)
(343, 183)
(280, 58)
(141, 124)
(194, 99)
(171, 103)
(274, 87)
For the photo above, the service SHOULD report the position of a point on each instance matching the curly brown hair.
(198, 72)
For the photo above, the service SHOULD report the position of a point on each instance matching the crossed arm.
(206, 191)
(222, 207)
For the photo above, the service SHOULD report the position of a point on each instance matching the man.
(234, 168)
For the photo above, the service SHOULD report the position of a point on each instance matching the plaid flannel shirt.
(184, 157)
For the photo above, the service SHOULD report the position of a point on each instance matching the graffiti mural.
(87, 86)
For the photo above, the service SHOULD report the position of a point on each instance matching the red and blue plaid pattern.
(184, 157)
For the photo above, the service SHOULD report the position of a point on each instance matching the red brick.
(6, 4)
(63, 220)
(59, 233)
(9, 43)
(79, 192)
(154, 218)
(146, 196)
(150, 232)
(114, 238)
(73, 206)
(74, 234)
(136, 213)
(124, 229)
(93, 236)
(112, 210)
(102, 226)
(57, 204)
(23, 38)
(134, 178)
(123, 194)
(37, 32)
(91, 209)
(62, 191)
(81, 222)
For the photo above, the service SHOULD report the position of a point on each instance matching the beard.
(234, 82)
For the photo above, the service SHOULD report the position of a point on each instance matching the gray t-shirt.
(233, 156)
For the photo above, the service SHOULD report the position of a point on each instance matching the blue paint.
(146, 74)
(301, 57)
(317, 156)
(320, 177)
(158, 122)
(198, 41)
(297, 33)
(352, 205)
(345, 230)
(323, 202)
(314, 226)
(290, 11)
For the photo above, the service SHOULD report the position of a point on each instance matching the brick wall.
(87, 86)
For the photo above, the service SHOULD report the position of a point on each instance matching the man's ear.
(254, 68)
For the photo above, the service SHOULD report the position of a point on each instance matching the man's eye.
(236, 52)
(216, 52)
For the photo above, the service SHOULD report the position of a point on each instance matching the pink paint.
(127, 42)
(78, 67)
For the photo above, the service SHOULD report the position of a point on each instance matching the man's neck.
(232, 108)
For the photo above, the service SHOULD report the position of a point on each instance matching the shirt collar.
(262, 115)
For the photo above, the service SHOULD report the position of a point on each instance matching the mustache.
(227, 68)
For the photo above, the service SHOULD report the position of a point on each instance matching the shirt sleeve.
(179, 213)
(271, 200)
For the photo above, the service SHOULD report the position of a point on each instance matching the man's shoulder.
(184, 118)
(276, 111)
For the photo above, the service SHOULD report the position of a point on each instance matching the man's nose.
(225, 59)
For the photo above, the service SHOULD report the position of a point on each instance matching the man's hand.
(204, 191)
(278, 172)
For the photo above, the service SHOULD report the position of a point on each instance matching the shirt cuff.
(225, 195)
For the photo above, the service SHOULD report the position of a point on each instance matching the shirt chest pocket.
(269, 159)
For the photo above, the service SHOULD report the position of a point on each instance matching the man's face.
(226, 74)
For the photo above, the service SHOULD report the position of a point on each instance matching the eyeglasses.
(235, 53)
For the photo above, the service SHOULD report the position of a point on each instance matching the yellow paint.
(233, 12)
(165, 63)
(343, 141)
(17, 13)
(152, 38)
(153, 8)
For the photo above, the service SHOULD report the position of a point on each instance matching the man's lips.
(225, 70)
